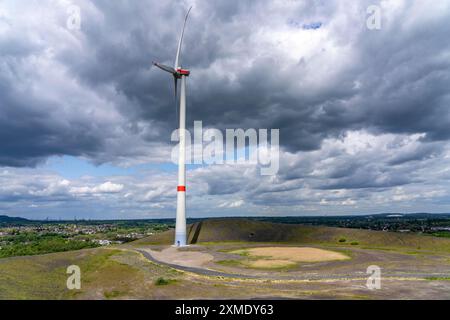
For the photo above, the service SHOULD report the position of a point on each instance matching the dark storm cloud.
(397, 81)
(422, 152)
(310, 68)
(256, 92)
(30, 130)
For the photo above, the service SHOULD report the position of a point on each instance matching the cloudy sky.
(85, 121)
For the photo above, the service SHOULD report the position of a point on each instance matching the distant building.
(103, 242)
(440, 229)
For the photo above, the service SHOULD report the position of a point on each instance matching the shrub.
(112, 294)
(162, 282)
(354, 243)
(342, 240)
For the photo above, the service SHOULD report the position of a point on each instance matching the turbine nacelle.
(176, 73)
(183, 72)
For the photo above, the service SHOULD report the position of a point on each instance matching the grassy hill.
(105, 274)
(241, 230)
(5, 220)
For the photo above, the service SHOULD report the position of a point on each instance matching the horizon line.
(232, 217)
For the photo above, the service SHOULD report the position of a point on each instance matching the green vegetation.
(438, 278)
(442, 234)
(27, 244)
(342, 240)
(354, 243)
(242, 252)
(163, 282)
(44, 277)
(229, 263)
(113, 294)
(275, 265)
(105, 274)
(255, 263)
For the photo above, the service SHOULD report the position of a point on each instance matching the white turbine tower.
(180, 74)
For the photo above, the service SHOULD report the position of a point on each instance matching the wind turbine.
(180, 74)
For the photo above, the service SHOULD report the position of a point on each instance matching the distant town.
(19, 237)
(24, 237)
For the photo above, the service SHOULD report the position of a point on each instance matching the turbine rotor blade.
(165, 68)
(177, 59)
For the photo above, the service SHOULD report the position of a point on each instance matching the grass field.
(105, 274)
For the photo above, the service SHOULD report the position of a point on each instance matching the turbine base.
(180, 240)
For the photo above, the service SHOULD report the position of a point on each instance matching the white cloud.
(104, 188)
(232, 204)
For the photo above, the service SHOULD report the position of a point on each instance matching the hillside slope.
(6, 220)
(240, 230)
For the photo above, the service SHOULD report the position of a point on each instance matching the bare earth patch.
(172, 255)
(294, 254)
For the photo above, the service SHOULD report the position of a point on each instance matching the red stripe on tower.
(181, 189)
